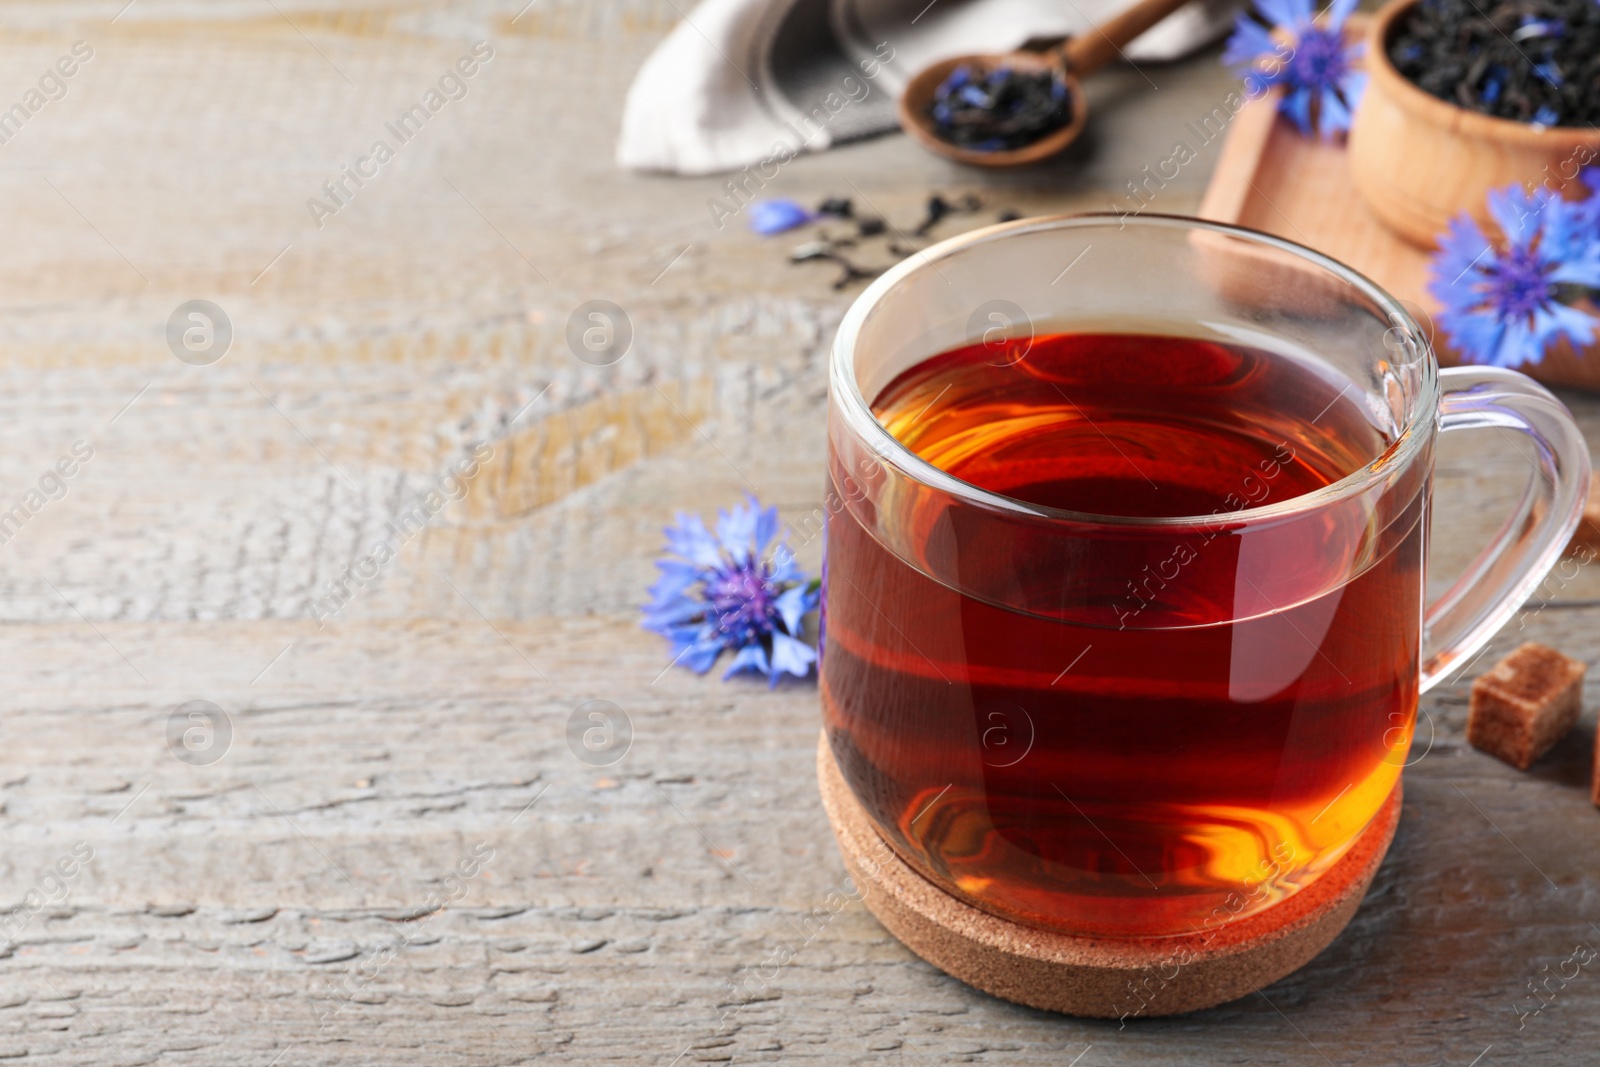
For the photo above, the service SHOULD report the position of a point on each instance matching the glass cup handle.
(1533, 537)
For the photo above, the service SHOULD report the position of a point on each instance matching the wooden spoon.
(1075, 58)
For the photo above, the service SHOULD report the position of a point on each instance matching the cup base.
(1099, 977)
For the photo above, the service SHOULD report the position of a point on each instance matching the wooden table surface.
(275, 896)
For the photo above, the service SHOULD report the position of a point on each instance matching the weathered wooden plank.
(273, 906)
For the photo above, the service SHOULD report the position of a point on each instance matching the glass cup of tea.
(1126, 562)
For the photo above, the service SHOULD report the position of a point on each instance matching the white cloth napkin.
(742, 82)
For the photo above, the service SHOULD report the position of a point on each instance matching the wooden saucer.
(1099, 977)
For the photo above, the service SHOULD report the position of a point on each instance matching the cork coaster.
(1099, 977)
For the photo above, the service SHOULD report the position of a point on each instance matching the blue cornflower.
(768, 217)
(720, 594)
(1321, 86)
(1588, 209)
(1505, 304)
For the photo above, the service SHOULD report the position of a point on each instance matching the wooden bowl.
(1419, 161)
(918, 98)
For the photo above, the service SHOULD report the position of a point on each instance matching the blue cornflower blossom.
(726, 592)
(1589, 209)
(1321, 85)
(768, 217)
(1505, 303)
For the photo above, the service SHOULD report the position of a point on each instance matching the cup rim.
(857, 411)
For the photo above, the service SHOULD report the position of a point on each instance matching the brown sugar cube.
(1587, 535)
(1524, 704)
